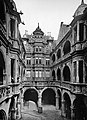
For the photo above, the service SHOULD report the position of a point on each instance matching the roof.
(80, 9)
(62, 32)
(38, 31)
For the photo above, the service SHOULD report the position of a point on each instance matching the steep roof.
(63, 30)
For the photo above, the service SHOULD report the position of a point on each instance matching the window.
(47, 73)
(36, 60)
(75, 34)
(12, 27)
(67, 47)
(28, 61)
(36, 73)
(66, 73)
(12, 70)
(36, 49)
(28, 73)
(39, 60)
(75, 70)
(58, 54)
(40, 74)
(81, 31)
(53, 58)
(81, 71)
(58, 74)
(47, 62)
(39, 49)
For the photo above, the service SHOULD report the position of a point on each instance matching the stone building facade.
(37, 59)
(12, 65)
(56, 71)
(69, 65)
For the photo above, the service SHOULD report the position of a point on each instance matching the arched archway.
(58, 74)
(67, 47)
(59, 98)
(58, 54)
(53, 57)
(66, 73)
(53, 75)
(80, 109)
(2, 67)
(67, 106)
(31, 94)
(3, 115)
(48, 97)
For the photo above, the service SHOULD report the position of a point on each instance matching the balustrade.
(73, 87)
(5, 91)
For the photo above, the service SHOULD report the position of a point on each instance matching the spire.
(82, 2)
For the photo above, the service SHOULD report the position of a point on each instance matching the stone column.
(14, 110)
(18, 116)
(22, 102)
(39, 100)
(72, 112)
(57, 102)
(63, 108)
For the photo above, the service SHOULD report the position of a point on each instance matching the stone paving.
(49, 113)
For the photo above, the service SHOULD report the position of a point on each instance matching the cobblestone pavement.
(49, 113)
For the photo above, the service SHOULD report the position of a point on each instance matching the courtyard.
(49, 113)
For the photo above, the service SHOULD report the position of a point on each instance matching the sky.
(48, 13)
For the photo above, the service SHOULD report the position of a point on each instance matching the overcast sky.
(48, 13)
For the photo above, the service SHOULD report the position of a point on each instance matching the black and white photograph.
(43, 59)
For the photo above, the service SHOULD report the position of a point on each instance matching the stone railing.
(15, 88)
(77, 88)
(5, 91)
(9, 90)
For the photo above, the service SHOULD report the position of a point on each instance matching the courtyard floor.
(49, 113)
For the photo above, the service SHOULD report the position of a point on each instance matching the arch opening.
(66, 73)
(2, 68)
(3, 115)
(58, 74)
(59, 98)
(67, 47)
(58, 54)
(53, 75)
(31, 95)
(67, 106)
(53, 58)
(49, 97)
(80, 108)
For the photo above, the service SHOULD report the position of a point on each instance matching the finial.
(82, 2)
(38, 25)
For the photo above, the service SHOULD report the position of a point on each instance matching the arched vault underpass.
(48, 97)
(31, 95)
